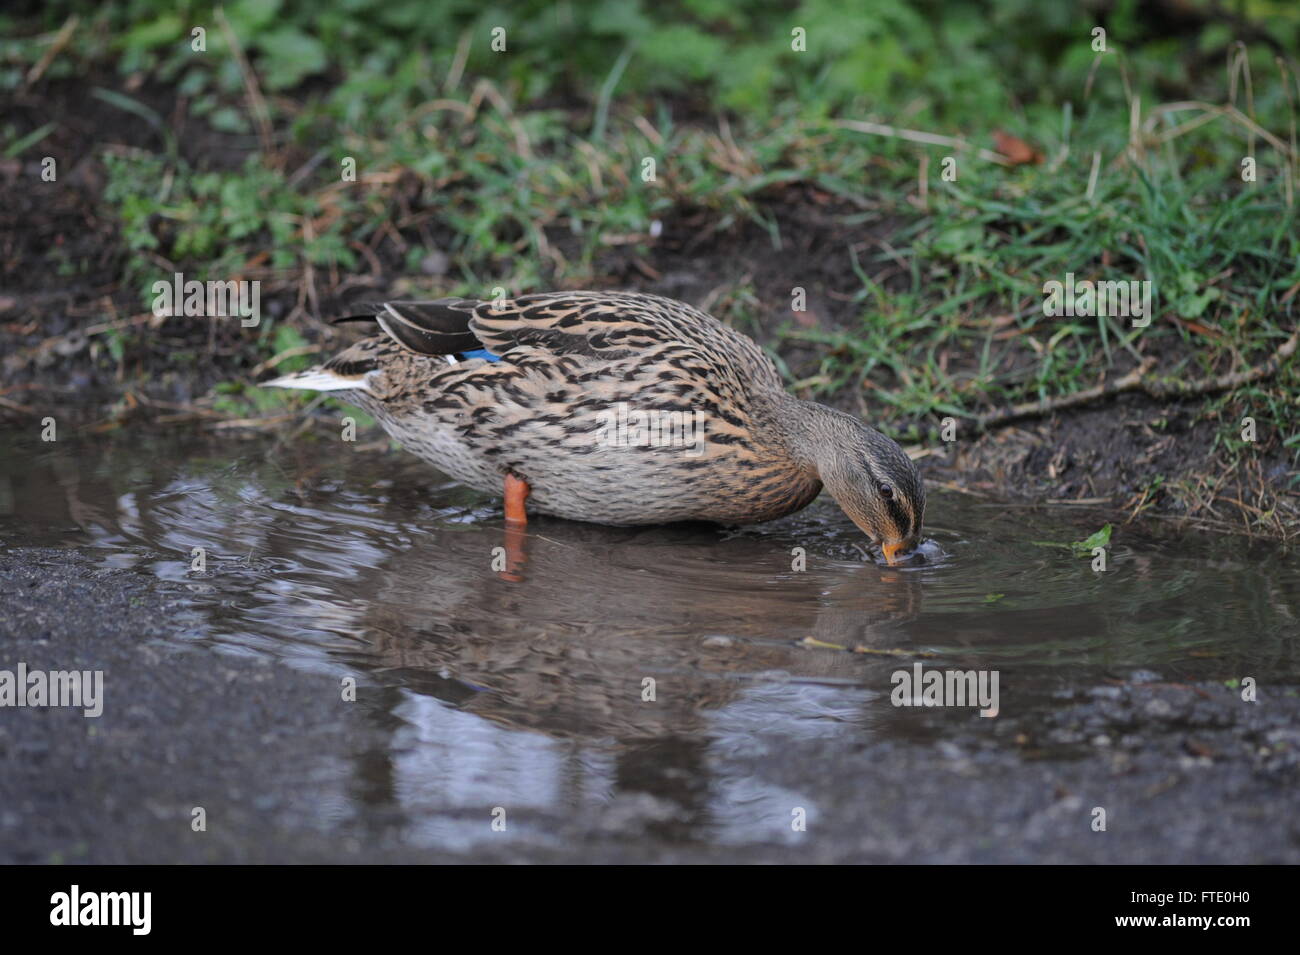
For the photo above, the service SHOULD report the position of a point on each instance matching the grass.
(476, 170)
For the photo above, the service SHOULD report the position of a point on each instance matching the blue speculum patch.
(479, 353)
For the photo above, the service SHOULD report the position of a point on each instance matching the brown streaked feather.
(616, 325)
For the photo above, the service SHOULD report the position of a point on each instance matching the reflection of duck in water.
(565, 653)
(567, 649)
(616, 408)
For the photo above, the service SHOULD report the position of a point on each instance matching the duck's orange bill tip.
(890, 551)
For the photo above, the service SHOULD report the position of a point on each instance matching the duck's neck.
(810, 432)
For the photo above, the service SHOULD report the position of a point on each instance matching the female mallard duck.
(617, 408)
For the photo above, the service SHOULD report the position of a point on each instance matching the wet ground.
(602, 694)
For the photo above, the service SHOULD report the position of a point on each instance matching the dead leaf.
(1019, 152)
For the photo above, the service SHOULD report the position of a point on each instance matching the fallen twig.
(252, 89)
(1137, 380)
(15, 406)
(260, 424)
(916, 136)
(55, 48)
(284, 356)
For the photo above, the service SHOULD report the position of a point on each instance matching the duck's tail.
(319, 378)
(437, 329)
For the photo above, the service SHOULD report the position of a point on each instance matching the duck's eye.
(886, 491)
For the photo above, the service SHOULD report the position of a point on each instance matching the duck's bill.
(894, 553)
(925, 552)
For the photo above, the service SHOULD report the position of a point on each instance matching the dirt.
(1137, 456)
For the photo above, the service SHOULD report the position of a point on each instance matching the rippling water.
(514, 668)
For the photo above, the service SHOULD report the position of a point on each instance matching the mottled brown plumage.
(567, 376)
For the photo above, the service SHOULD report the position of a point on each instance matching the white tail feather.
(318, 379)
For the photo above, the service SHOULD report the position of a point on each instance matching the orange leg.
(516, 494)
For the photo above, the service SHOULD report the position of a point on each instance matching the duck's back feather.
(592, 329)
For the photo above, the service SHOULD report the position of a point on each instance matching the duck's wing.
(608, 326)
(436, 327)
(644, 342)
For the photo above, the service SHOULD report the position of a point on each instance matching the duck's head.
(873, 481)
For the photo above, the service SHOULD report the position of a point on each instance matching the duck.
(618, 408)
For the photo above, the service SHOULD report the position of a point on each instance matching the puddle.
(518, 672)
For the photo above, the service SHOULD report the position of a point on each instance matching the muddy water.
(514, 671)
